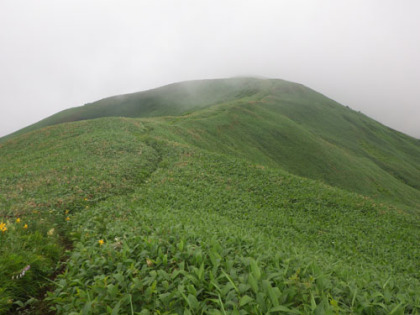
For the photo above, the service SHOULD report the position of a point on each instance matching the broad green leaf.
(395, 309)
(116, 309)
(193, 302)
(255, 269)
(245, 300)
(231, 281)
(253, 283)
(271, 293)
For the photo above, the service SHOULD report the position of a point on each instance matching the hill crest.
(275, 123)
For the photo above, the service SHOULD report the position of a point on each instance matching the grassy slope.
(185, 229)
(48, 176)
(173, 99)
(277, 123)
(309, 135)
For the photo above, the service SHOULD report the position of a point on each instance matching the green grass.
(47, 177)
(202, 212)
(173, 99)
(279, 124)
(207, 233)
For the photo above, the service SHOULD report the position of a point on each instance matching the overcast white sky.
(57, 54)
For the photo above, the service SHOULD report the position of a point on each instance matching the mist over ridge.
(361, 54)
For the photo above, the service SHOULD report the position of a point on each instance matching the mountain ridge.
(137, 104)
(276, 123)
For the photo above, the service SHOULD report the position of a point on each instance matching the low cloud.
(57, 55)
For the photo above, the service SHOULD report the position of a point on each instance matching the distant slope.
(173, 99)
(275, 123)
(310, 135)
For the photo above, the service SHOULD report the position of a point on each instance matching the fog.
(60, 54)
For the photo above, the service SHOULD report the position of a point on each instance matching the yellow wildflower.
(101, 242)
(68, 219)
(67, 211)
(25, 226)
(3, 227)
(18, 220)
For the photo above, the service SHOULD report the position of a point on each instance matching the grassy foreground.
(46, 178)
(160, 226)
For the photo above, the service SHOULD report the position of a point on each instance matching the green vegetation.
(278, 124)
(202, 212)
(47, 177)
(309, 135)
(173, 99)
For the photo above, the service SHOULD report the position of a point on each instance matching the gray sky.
(57, 54)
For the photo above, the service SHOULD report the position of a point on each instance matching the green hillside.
(242, 196)
(303, 132)
(276, 123)
(173, 99)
